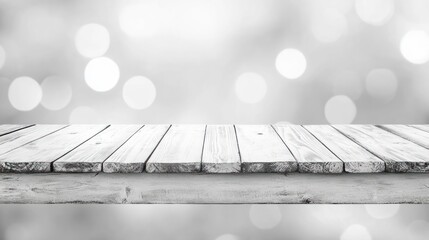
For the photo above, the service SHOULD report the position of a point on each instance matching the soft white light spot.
(415, 46)
(227, 237)
(356, 232)
(381, 84)
(2, 57)
(101, 74)
(265, 216)
(57, 93)
(375, 12)
(291, 63)
(250, 87)
(143, 19)
(83, 115)
(347, 83)
(382, 211)
(340, 109)
(92, 40)
(25, 93)
(139, 92)
(328, 25)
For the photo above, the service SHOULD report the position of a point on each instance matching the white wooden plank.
(10, 128)
(90, 156)
(311, 155)
(424, 127)
(17, 139)
(262, 150)
(356, 159)
(179, 151)
(37, 156)
(220, 154)
(400, 155)
(132, 156)
(412, 134)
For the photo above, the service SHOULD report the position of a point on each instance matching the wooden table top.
(214, 148)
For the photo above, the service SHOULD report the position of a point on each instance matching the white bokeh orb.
(227, 237)
(415, 46)
(382, 211)
(139, 92)
(265, 216)
(2, 57)
(381, 84)
(102, 74)
(57, 93)
(375, 12)
(291, 63)
(145, 19)
(83, 115)
(328, 25)
(92, 40)
(356, 232)
(250, 87)
(340, 109)
(25, 93)
(349, 83)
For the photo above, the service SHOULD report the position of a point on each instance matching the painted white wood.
(356, 159)
(133, 154)
(9, 128)
(262, 150)
(412, 134)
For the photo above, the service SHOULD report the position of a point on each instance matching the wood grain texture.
(89, 157)
(179, 151)
(220, 154)
(412, 134)
(424, 127)
(262, 150)
(311, 155)
(356, 159)
(37, 156)
(10, 128)
(17, 139)
(298, 188)
(400, 155)
(132, 156)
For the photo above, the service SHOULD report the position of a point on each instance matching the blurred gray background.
(214, 61)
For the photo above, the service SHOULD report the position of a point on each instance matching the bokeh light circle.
(291, 63)
(382, 211)
(356, 232)
(328, 25)
(57, 93)
(2, 57)
(415, 46)
(92, 40)
(227, 237)
(381, 84)
(139, 92)
(340, 109)
(25, 93)
(265, 216)
(101, 74)
(375, 12)
(250, 87)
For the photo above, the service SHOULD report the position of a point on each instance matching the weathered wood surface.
(311, 155)
(10, 128)
(179, 151)
(412, 134)
(17, 139)
(421, 127)
(221, 154)
(399, 154)
(132, 156)
(262, 150)
(356, 159)
(214, 188)
(37, 156)
(90, 156)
